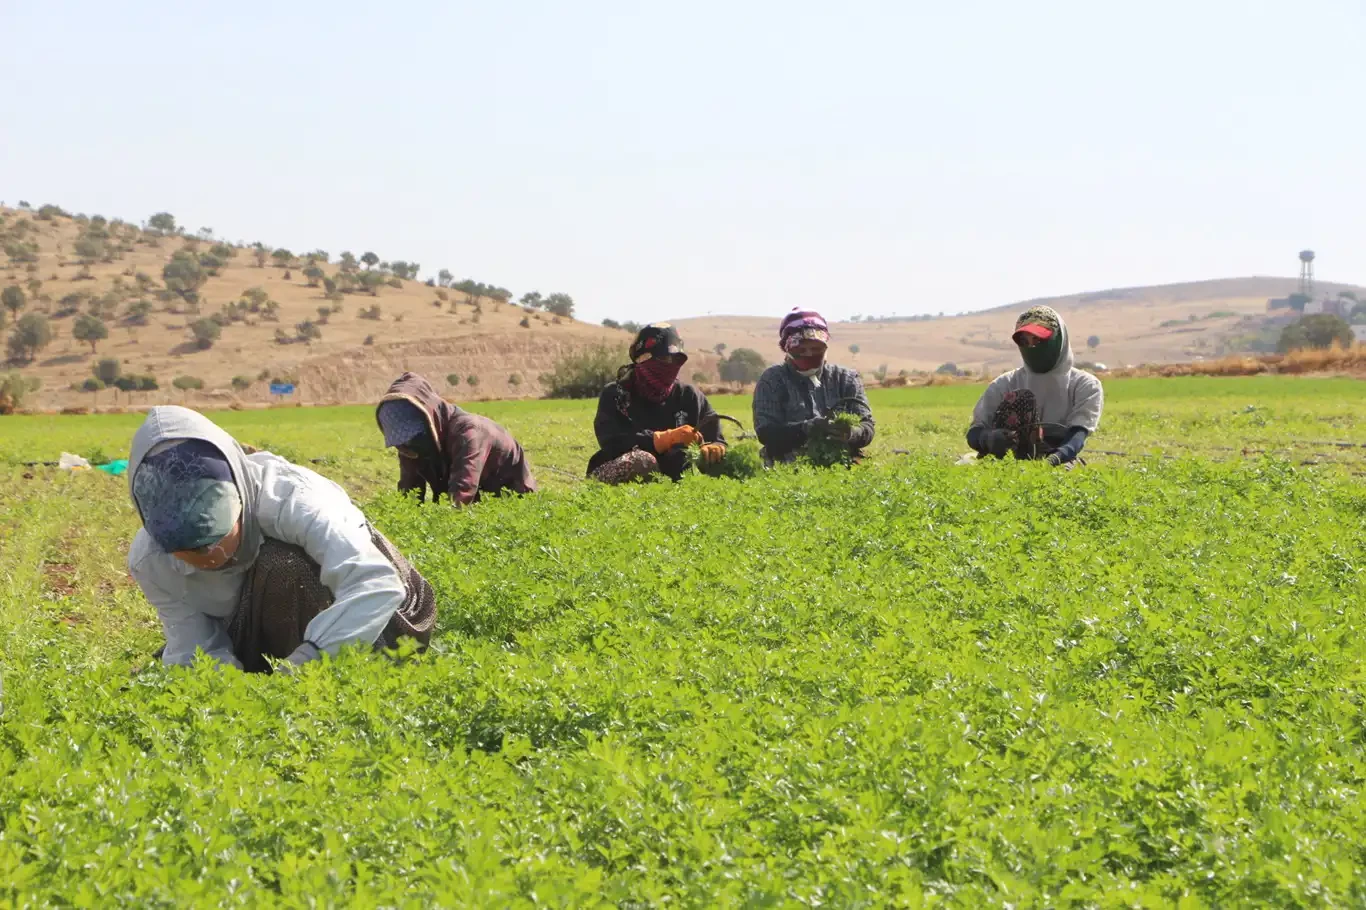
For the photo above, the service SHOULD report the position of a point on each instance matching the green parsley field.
(916, 683)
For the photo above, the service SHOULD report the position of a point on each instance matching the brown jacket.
(474, 454)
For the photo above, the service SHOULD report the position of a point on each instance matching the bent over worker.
(250, 557)
(446, 448)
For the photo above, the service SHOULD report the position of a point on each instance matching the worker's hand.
(998, 442)
(816, 426)
(679, 436)
(302, 655)
(840, 431)
(713, 452)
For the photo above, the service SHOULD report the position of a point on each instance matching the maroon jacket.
(474, 454)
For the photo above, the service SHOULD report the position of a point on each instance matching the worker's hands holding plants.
(679, 436)
(817, 426)
(713, 452)
(998, 442)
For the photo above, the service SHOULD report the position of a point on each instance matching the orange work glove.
(712, 452)
(680, 436)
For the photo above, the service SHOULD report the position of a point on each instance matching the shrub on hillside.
(744, 365)
(206, 332)
(584, 373)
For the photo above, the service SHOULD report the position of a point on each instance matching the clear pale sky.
(664, 160)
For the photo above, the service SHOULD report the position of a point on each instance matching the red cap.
(1041, 332)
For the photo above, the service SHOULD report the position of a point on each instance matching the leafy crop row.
(903, 684)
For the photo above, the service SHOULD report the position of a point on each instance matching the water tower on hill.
(1307, 273)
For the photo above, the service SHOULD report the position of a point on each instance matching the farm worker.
(795, 399)
(246, 557)
(441, 446)
(647, 418)
(1044, 409)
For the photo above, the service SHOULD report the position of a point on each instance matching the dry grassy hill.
(261, 301)
(432, 330)
(1164, 324)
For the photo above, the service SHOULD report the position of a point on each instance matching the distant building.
(1278, 303)
(1313, 308)
(1360, 332)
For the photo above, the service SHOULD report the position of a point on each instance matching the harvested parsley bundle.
(741, 461)
(826, 451)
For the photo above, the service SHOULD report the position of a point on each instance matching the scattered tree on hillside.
(91, 330)
(632, 327)
(444, 278)
(453, 379)
(699, 377)
(314, 275)
(94, 387)
(139, 311)
(108, 370)
(526, 322)
(324, 314)
(88, 250)
(205, 332)
(947, 369)
(260, 253)
(1093, 342)
(854, 349)
(282, 257)
(532, 299)
(347, 263)
(224, 252)
(369, 259)
(1318, 331)
(720, 349)
(13, 299)
(31, 334)
(372, 282)
(1358, 314)
(744, 366)
(210, 263)
(611, 324)
(184, 275)
(162, 223)
(560, 305)
(187, 384)
(472, 380)
(308, 332)
(241, 383)
(405, 270)
(318, 256)
(370, 313)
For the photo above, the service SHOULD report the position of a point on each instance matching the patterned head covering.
(186, 495)
(401, 421)
(1045, 324)
(656, 338)
(654, 381)
(802, 325)
(1039, 321)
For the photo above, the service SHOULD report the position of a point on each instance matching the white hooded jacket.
(281, 501)
(1066, 395)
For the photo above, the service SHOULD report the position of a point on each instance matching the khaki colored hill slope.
(415, 330)
(1201, 320)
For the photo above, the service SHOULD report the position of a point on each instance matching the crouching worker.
(446, 448)
(647, 418)
(794, 400)
(1044, 409)
(249, 557)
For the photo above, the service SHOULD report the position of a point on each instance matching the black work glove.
(816, 426)
(998, 442)
(1054, 459)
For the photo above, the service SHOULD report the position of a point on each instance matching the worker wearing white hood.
(1045, 409)
(250, 557)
